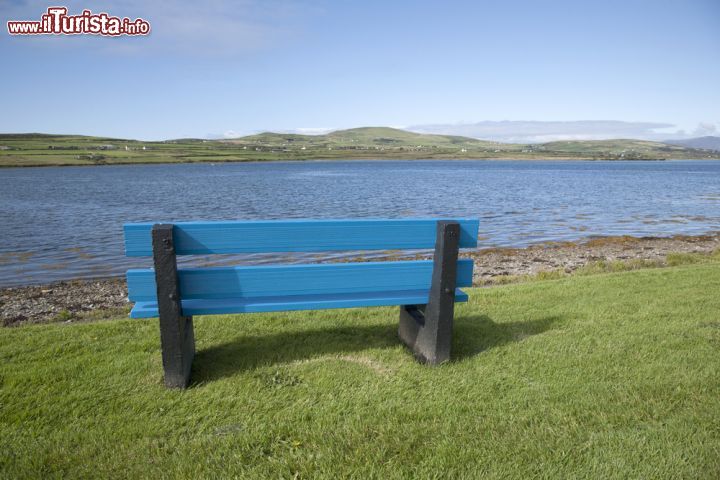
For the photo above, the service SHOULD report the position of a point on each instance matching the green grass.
(605, 376)
(18, 150)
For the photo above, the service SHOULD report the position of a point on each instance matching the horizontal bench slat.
(292, 280)
(199, 238)
(300, 302)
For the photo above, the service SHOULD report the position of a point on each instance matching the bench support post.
(427, 329)
(176, 331)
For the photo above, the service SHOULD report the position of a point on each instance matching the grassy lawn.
(604, 376)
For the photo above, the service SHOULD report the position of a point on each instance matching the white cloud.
(704, 129)
(310, 130)
(232, 134)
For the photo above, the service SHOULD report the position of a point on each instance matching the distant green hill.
(625, 148)
(369, 136)
(34, 149)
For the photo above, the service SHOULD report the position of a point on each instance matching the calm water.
(60, 223)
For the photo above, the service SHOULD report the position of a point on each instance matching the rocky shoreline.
(568, 257)
(63, 301)
(78, 300)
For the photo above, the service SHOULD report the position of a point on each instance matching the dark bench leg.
(176, 331)
(427, 329)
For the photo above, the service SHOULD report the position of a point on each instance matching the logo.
(56, 21)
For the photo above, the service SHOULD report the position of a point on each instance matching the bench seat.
(281, 303)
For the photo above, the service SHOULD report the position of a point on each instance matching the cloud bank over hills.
(540, 132)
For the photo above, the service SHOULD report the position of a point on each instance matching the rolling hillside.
(365, 136)
(357, 143)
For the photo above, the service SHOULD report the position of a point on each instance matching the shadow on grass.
(472, 335)
(250, 352)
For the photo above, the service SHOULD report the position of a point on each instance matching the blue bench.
(425, 290)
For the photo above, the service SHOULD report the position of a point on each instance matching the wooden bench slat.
(298, 302)
(199, 238)
(291, 280)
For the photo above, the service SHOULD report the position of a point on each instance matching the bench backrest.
(192, 238)
(199, 238)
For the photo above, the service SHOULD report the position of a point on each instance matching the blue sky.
(229, 68)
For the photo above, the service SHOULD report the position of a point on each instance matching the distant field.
(26, 150)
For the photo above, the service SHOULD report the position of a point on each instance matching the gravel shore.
(80, 300)
(63, 301)
(570, 256)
